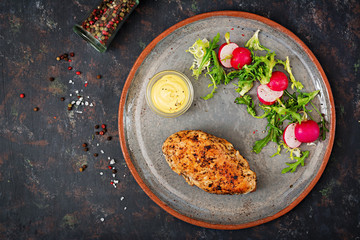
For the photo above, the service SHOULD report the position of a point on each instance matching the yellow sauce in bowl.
(170, 93)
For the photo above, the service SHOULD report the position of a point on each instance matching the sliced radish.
(289, 136)
(225, 53)
(268, 96)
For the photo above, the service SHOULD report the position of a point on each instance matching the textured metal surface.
(42, 193)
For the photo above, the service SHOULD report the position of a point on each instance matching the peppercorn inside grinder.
(102, 24)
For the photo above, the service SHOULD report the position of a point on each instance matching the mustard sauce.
(169, 94)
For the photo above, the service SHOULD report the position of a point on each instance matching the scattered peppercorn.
(22, 95)
(69, 67)
(109, 138)
(97, 133)
(84, 144)
(62, 99)
(84, 166)
(98, 76)
(72, 54)
(86, 149)
(36, 109)
(51, 79)
(69, 108)
(114, 171)
(78, 73)
(97, 126)
(66, 59)
(95, 154)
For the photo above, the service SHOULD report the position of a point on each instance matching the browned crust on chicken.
(209, 162)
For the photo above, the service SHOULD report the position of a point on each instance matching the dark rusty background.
(42, 193)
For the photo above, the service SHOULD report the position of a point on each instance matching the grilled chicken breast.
(209, 162)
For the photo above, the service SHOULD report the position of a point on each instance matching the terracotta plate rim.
(138, 63)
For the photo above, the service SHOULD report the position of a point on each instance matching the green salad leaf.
(290, 108)
(299, 161)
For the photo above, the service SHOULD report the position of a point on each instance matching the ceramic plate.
(142, 132)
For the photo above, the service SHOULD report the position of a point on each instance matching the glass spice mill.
(102, 24)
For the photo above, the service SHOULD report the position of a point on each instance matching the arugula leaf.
(305, 98)
(322, 123)
(274, 132)
(323, 129)
(247, 100)
(260, 144)
(299, 161)
(285, 111)
(217, 75)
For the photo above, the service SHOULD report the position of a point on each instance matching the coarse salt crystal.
(77, 91)
(86, 103)
(97, 144)
(78, 103)
(122, 198)
(82, 103)
(70, 94)
(72, 102)
(125, 208)
(78, 111)
(70, 81)
(114, 175)
(112, 161)
(101, 173)
(102, 151)
(114, 185)
(91, 104)
(88, 97)
(108, 158)
(116, 181)
(102, 219)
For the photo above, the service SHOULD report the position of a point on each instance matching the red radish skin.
(225, 53)
(241, 56)
(278, 81)
(307, 131)
(289, 136)
(268, 96)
